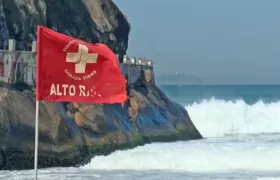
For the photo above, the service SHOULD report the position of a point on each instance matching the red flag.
(70, 69)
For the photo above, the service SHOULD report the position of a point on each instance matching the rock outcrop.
(90, 20)
(70, 134)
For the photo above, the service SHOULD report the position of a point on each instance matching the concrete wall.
(19, 66)
(133, 69)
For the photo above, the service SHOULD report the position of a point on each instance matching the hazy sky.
(220, 41)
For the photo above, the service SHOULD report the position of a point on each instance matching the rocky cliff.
(70, 134)
(90, 20)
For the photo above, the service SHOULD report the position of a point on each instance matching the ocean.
(241, 129)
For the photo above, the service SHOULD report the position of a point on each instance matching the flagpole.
(38, 48)
(36, 139)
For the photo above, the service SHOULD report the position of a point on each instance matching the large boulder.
(72, 133)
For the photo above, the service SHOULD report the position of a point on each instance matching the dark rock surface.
(70, 134)
(90, 20)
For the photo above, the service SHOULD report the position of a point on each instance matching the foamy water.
(238, 137)
(198, 156)
(215, 118)
(241, 142)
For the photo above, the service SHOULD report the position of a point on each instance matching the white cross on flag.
(81, 58)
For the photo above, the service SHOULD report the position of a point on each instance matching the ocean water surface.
(241, 130)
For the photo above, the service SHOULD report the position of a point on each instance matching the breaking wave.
(238, 137)
(219, 117)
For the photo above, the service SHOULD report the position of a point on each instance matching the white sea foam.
(228, 146)
(194, 156)
(218, 117)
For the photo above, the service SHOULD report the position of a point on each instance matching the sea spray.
(239, 137)
(219, 117)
